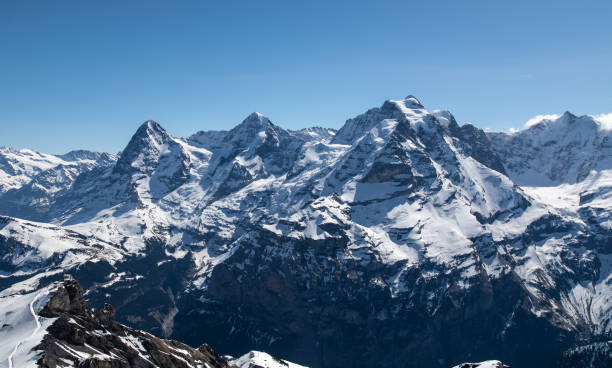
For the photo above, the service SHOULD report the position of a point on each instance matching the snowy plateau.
(400, 240)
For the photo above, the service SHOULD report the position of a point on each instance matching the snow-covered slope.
(565, 162)
(38, 249)
(564, 150)
(22, 328)
(260, 359)
(333, 248)
(30, 181)
(20, 167)
(485, 364)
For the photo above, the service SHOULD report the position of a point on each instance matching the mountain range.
(401, 239)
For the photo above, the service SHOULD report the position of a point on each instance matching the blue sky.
(86, 74)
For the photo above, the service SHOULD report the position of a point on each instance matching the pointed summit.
(391, 109)
(149, 132)
(256, 116)
(150, 128)
(148, 138)
(254, 127)
(255, 120)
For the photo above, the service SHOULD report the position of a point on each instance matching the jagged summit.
(154, 152)
(255, 123)
(151, 124)
(391, 110)
(568, 115)
(408, 103)
(256, 133)
(256, 117)
(412, 100)
(445, 118)
(547, 122)
(563, 123)
(149, 137)
(554, 150)
(150, 127)
(76, 155)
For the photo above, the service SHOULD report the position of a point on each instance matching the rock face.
(402, 239)
(593, 355)
(88, 337)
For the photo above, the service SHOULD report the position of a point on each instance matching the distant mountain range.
(401, 240)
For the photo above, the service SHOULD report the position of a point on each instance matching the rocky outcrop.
(90, 337)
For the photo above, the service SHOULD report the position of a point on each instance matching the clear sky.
(85, 74)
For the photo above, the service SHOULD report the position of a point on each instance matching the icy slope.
(485, 364)
(22, 328)
(19, 167)
(260, 359)
(30, 181)
(548, 153)
(30, 248)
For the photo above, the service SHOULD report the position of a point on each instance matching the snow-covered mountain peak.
(85, 155)
(258, 359)
(444, 117)
(254, 127)
(148, 139)
(154, 152)
(561, 124)
(408, 109)
(20, 167)
(315, 133)
(554, 149)
(410, 102)
(404, 105)
(151, 129)
(256, 119)
(568, 115)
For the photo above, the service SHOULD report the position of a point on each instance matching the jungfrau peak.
(402, 239)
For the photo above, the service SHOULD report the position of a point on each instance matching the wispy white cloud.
(538, 118)
(605, 120)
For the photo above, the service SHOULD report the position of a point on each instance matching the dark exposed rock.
(90, 337)
(594, 355)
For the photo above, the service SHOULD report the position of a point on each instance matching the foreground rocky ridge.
(88, 337)
(62, 329)
(401, 239)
